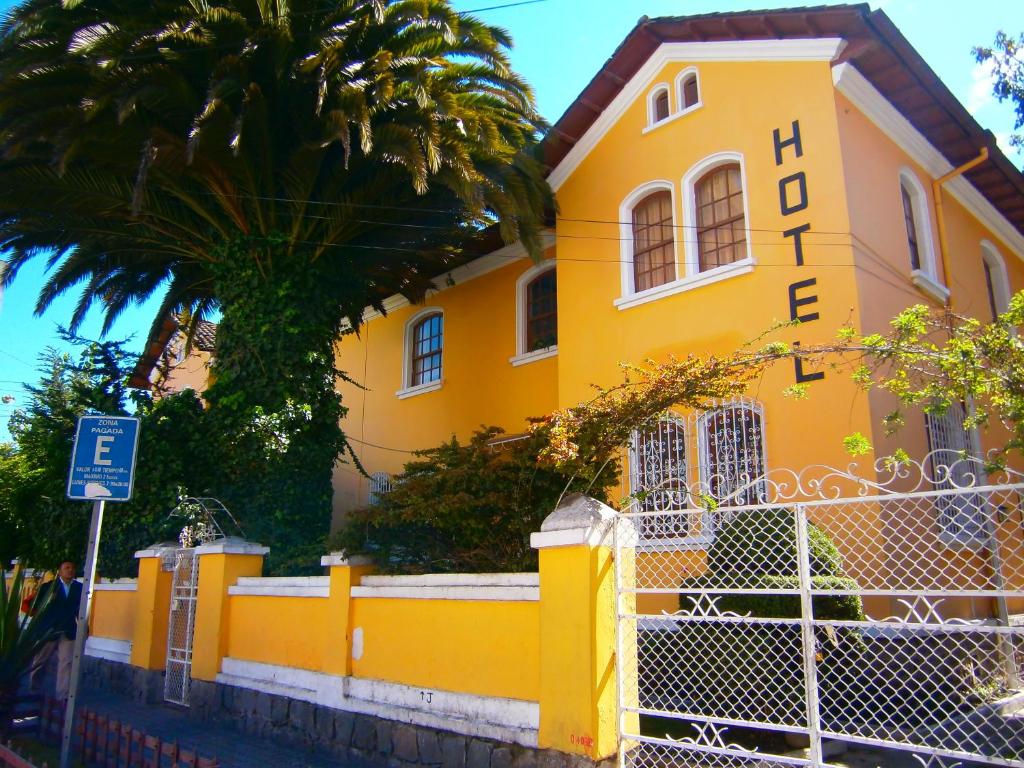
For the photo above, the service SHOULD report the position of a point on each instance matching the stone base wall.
(344, 734)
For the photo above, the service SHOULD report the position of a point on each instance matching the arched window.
(961, 516)
(653, 241)
(541, 311)
(380, 483)
(910, 219)
(688, 89)
(658, 107)
(425, 360)
(658, 476)
(997, 284)
(721, 223)
(732, 459)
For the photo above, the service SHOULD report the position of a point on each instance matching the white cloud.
(979, 95)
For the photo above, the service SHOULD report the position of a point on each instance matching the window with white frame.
(688, 89)
(653, 241)
(721, 222)
(918, 228)
(960, 513)
(997, 283)
(658, 478)
(423, 354)
(658, 106)
(732, 455)
(536, 313)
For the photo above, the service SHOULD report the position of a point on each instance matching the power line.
(16, 359)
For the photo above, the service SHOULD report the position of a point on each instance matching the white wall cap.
(232, 545)
(339, 558)
(578, 519)
(157, 550)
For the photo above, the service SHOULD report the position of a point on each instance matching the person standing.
(61, 616)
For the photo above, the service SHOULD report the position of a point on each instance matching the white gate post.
(807, 626)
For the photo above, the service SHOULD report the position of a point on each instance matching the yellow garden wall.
(289, 631)
(113, 613)
(487, 648)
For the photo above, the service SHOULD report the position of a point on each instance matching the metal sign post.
(102, 470)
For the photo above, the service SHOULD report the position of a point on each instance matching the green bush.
(467, 508)
(764, 541)
(831, 607)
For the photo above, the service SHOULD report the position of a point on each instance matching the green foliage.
(287, 163)
(41, 526)
(468, 508)
(20, 638)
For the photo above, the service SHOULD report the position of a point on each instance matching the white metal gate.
(838, 612)
(184, 586)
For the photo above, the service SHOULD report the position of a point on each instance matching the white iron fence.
(181, 623)
(836, 612)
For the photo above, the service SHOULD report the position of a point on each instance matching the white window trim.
(927, 277)
(524, 355)
(406, 389)
(1000, 277)
(652, 96)
(716, 275)
(680, 99)
(626, 235)
(690, 180)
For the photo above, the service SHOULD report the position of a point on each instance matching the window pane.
(961, 516)
(733, 459)
(661, 106)
(426, 351)
(541, 312)
(721, 223)
(908, 215)
(658, 475)
(690, 95)
(653, 237)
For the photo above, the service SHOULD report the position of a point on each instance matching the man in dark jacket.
(61, 615)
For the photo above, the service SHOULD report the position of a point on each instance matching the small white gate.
(870, 614)
(185, 583)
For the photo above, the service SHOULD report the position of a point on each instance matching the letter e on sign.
(102, 449)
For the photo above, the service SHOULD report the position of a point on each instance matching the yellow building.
(718, 174)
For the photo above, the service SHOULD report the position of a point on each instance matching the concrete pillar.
(152, 607)
(221, 563)
(345, 573)
(578, 703)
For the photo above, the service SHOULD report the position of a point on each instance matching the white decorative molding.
(478, 267)
(532, 357)
(923, 223)
(154, 552)
(231, 546)
(997, 274)
(855, 87)
(814, 49)
(737, 268)
(282, 586)
(121, 585)
(108, 648)
(487, 594)
(455, 580)
(340, 558)
(928, 285)
(510, 720)
(420, 389)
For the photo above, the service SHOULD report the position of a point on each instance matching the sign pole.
(83, 624)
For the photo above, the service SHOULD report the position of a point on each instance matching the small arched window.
(542, 311)
(653, 241)
(997, 283)
(721, 223)
(658, 476)
(910, 219)
(689, 91)
(658, 106)
(425, 362)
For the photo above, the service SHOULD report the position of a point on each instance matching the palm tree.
(288, 162)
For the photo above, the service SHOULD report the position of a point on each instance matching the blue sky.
(559, 46)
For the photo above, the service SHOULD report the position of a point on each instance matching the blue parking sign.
(103, 459)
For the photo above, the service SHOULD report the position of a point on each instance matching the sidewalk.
(232, 749)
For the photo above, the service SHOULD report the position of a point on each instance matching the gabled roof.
(204, 339)
(875, 48)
